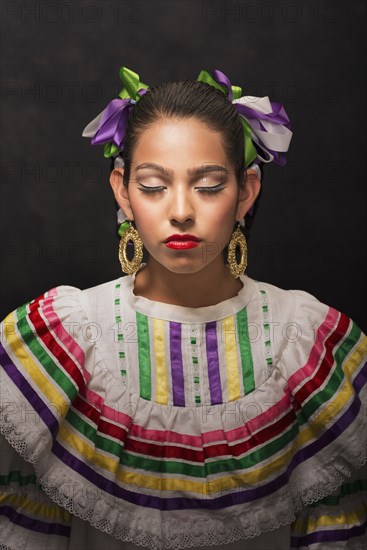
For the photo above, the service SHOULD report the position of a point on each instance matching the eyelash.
(214, 189)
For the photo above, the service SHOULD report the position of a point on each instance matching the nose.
(181, 208)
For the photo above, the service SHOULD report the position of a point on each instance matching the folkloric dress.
(133, 423)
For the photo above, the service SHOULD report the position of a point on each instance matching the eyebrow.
(198, 170)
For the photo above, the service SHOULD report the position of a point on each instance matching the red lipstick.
(182, 241)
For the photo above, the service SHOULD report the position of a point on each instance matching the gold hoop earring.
(237, 239)
(129, 233)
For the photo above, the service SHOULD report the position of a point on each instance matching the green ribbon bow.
(131, 83)
(204, 76)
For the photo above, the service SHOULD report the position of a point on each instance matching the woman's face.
(181, 183)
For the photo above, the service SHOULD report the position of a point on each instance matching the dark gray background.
(59, 69)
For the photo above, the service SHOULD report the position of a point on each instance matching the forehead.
(175, 140)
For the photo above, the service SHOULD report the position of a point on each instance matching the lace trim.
(22, 541)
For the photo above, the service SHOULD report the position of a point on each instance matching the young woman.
(184, 405)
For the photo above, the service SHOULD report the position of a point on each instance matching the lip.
(182, 245)
(182, 238)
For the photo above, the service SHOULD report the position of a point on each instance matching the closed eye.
(148, 189)
(212, 189)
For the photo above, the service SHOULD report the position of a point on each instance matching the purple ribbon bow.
(277, 116)
(112, 126)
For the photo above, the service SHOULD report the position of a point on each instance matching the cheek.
(224, 214)
(146, 219)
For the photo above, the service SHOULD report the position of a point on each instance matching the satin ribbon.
(220, 81)
(264, 122)
(109, 126)
(270, 126)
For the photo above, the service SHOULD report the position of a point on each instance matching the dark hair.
(186, 99)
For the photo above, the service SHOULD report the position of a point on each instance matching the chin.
(184, 267)
(183, 264)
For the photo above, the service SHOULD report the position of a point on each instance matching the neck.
(209, 286)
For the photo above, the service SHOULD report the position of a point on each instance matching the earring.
(128, 233)
(237, 239)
